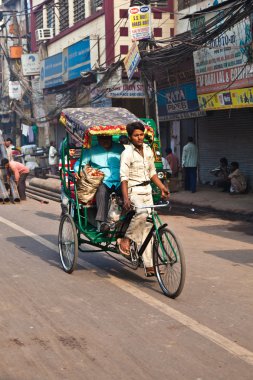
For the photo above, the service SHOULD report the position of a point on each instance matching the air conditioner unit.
(44, 34)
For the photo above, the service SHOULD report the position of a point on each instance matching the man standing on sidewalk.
(20, 173)
(189, 163)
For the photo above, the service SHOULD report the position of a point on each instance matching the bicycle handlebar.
(153, 206)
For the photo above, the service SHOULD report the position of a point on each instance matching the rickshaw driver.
(137, 170)
(104, 156)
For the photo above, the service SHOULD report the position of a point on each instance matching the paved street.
(107, 322)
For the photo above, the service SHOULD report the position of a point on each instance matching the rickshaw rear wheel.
(169, 263)
(68, 243)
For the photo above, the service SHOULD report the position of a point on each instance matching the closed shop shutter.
(226, 134)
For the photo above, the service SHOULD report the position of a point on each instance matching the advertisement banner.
(140, 22)
(234, 98)
(15, 90)
(30, 64)
(223, 64)
(132, 60)
(178, 102)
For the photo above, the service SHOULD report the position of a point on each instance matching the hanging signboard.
(132, 60)
(30, 64)
(15, 91)
(140, 22)
(51, 71)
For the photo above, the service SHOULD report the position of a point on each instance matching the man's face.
(72, 152)
(137, 138)
(7, 143)
(105, 142)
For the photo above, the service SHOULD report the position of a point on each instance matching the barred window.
(95, 4)
(182, 4)
(79, 10)
(64, 14)
(50, 15)
(39, 20)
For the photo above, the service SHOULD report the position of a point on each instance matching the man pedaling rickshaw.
(137, 170)
(106, 157)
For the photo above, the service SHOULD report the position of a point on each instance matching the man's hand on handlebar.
(165, 192)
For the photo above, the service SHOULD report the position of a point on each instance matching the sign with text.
(178, 102)
(140, 22)
(15, 91)
(234, 98)
(224, 63)
(76, 58)
(132, 60)
(51, 71)
(30, 64)
(127, 90)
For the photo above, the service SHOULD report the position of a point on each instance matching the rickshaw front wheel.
(68, 243)
(169, 263)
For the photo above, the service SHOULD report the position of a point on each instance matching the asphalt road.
(107, 322)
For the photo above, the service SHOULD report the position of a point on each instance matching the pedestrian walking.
(189, 163)
(20, 173)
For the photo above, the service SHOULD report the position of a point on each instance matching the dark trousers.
(22, 186)
(190, 180)
(102, 201)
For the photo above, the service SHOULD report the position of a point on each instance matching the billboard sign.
(178, 102)
(223, 64)
(76, 58)
(51, 71)
(140, 22)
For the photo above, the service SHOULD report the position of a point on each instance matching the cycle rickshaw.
(77, 230)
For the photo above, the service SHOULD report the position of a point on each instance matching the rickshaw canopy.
(83, 123)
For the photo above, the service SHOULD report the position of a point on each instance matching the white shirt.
(52, 156)
(134, 168)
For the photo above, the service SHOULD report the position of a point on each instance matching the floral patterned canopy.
(82, 123)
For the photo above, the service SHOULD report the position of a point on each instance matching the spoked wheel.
(169, 263)
(68, 243)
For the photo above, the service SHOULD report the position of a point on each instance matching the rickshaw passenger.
(106, 157)
(137, 170)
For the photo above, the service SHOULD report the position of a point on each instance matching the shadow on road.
(240, 256)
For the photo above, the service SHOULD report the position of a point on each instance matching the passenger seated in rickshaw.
(106, 157)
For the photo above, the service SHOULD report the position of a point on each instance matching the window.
(64, 14)
(94, 4)
(50, 15)
(172, 32)
(79, 10)
(158, 32)
(123, 49)
(39, 20)
(182, 4)
(123, 13)
(123, 32)
(157, 15)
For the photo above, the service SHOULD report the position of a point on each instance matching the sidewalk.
(215, 199)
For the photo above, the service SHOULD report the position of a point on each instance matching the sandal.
(149, 271)
(122, 251)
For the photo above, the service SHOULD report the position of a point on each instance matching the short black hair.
(235, 164)
(168, 150)
(224, 161)
(190, 139)
(4, 161)
(10, 140)
(131, 127)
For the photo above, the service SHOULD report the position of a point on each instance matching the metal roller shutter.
(226, 134)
